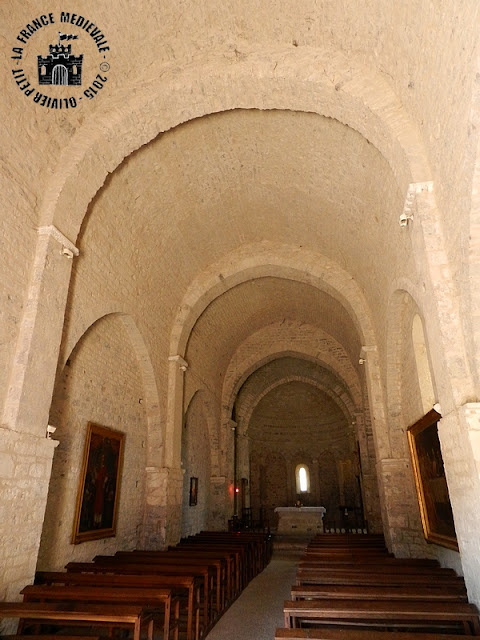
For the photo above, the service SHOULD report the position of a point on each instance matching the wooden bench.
(257, 547)
(181, 585)
(48, 636)
(348, 553)
(160, 599)
(228, 558)
(348, 541)
(70, 614)
(320, 576)
(350, 634)
(312, 558)
(238, 554)
(259, 541)
(407, 614)
(386, 592)
(127, 568)
(375, 567)
(221, 563)
(200, 570)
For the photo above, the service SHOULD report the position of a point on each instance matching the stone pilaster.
(25, 467)
(400, 511)
(33, 373)
(163, 507)
(26, 453)
(459, 434)
(174, 422)
(219, 503)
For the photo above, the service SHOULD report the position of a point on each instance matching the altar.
(300, 520)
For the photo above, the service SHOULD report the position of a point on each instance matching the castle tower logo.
(75, 69)
(61, 66)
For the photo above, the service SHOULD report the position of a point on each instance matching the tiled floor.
(259, 609)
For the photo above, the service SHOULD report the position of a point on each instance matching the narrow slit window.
(302, 477)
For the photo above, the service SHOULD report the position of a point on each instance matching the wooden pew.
(404, 565)
(236, 551)
(48, 636)
(348, 553)
(75, 614)
(356, 634)
(257, 546)
(227, 557)
(127, 568)
(386, 592)
(320, 576)
(332, 541)
(222, 564)
(210, 571)
(160, 599)
(371, 568)
(181, 585)
(244, 554)
(408, 614)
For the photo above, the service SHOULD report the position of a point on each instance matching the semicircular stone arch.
(405, 405)
(365, 103)
(401, 368)
(346, 406)
(289, 338)
(275, 260)
(93, 388)
(150, 398)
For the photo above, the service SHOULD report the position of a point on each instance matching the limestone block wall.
(202, 59)
(268, 484)
(25, 465)
(100, 383)
(458, 434)
(293, 424)
(17, 248)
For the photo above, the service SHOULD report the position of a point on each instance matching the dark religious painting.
(193, 491)
(432, 489)
(98, 495)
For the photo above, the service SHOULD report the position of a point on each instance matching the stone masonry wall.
(25, 464)
(293, 424)
(196, 463)
(101, 383)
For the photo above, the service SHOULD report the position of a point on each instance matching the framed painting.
(431, 483)
(98, 493)
(193, 491)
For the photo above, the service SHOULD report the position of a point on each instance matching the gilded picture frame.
(99, 488)
(431, 483)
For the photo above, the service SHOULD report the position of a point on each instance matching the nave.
(350, 589)
(258, 611)
(219, 585)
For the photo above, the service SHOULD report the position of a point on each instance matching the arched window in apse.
(302, 477)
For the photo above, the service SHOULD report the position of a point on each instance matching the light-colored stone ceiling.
(217, 183)
(241, 311)
(285, 368)
(297, 411)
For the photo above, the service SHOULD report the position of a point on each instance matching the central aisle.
(259, 609)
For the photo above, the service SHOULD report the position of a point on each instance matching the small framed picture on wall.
(431, 483)
(193, 491)
(99, 488)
